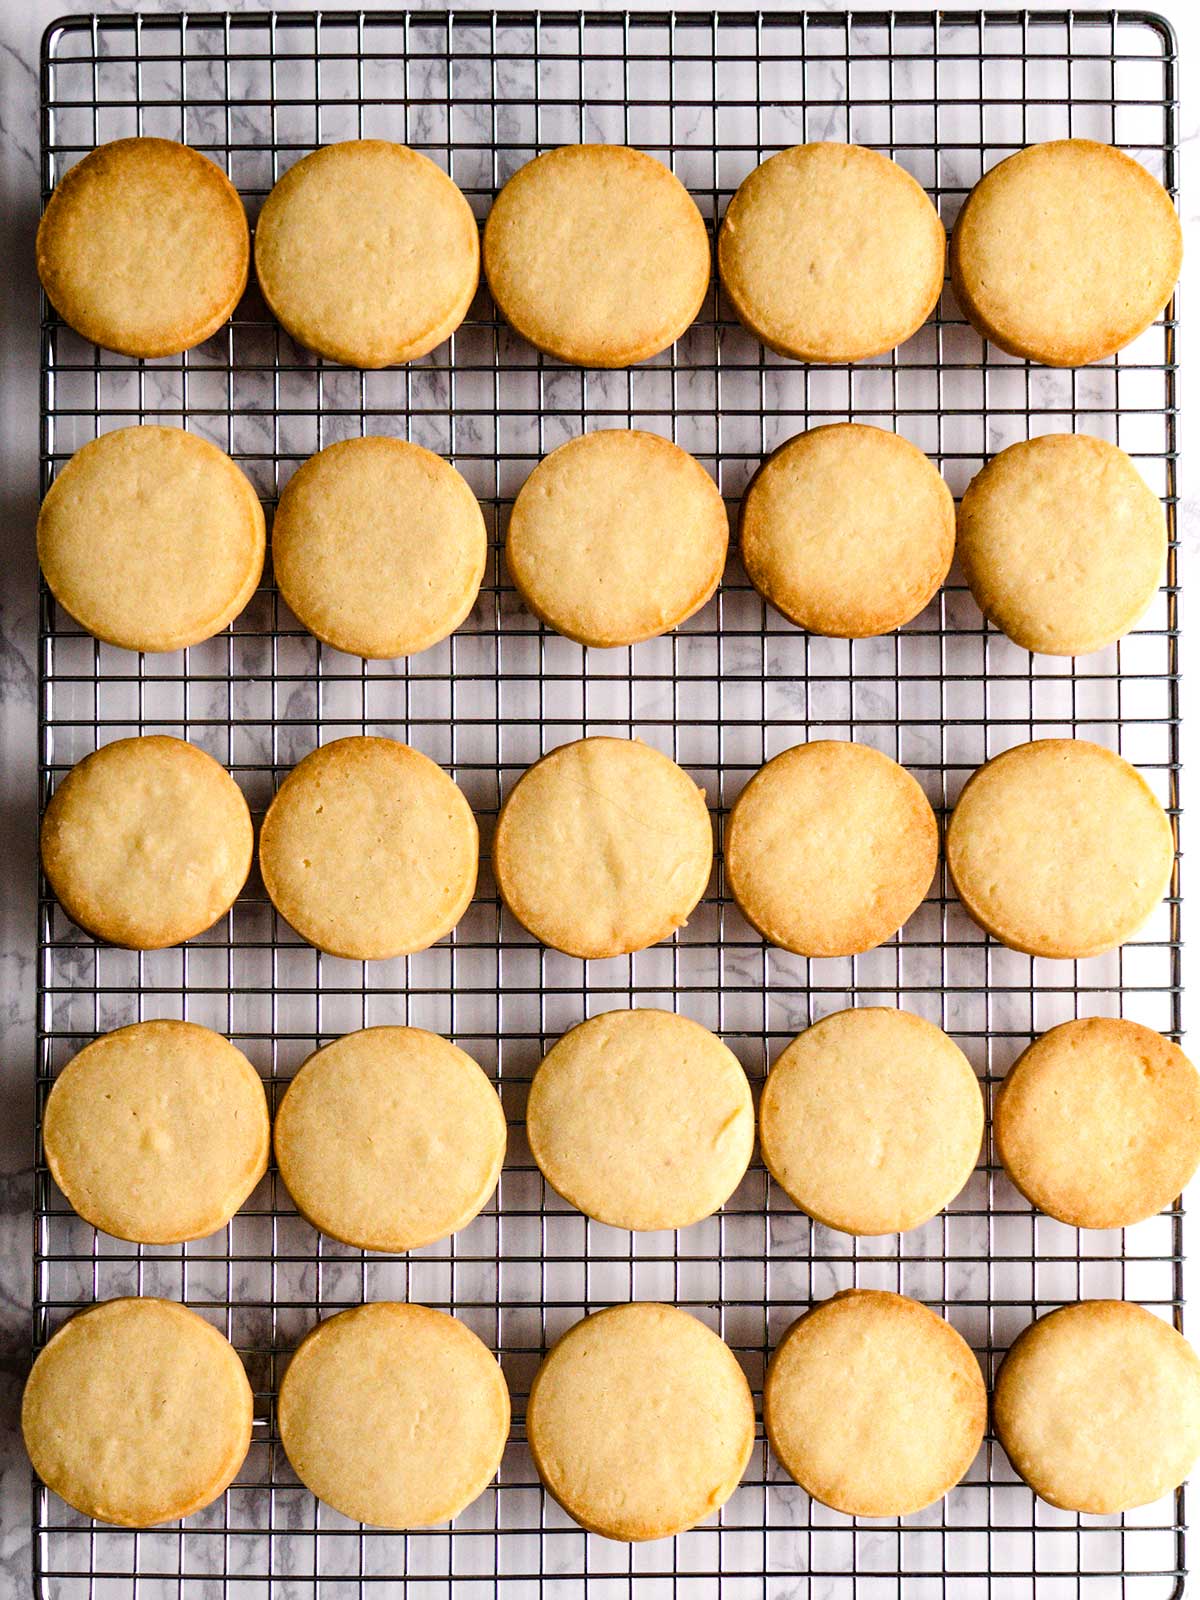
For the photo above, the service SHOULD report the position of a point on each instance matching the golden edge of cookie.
(186, 337)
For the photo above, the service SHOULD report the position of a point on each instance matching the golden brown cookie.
(640, 1422)
(367, 253)
(1065, 252)
(1098, 1407)
(831, 252)
(848, 530)
(604, 846)
(144, 247)
(147, 842)
(597, 254)
(151, 538)
(617, 536)
(1098, 1123)
(830, 848)
(369, 849)
(871, 1120)
(137, 1412)
(394, 1415)
(1058, 848)
(874, 1404)
(379, 547)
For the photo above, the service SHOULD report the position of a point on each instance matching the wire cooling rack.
(948, 95)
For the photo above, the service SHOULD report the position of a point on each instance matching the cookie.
(158, 1132)
(830, 848)
(603, 847)
(1098, 1407)
(147, 842)
(617, 536)
(144, 247)
(151, 538)
(379, 547)
(1098, 1122)
(1059, 848)
(369, 850)
(871, 1120)
(831, 252)
(390, 1138)
(1065, 252)
(1062, 542)
(640, 1422)
(394, 1415)
(641, 1119)
(137, 1412)
(367, 253)
(848, 530)
(874, 1404)
(597, 254)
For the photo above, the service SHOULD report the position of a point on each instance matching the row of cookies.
(369, 254)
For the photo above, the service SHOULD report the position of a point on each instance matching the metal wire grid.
(948, 94)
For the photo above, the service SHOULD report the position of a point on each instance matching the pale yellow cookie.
(137, 1412)
(151, 538)
(597, 254)
(394, 1415)
(848, 530)
(830, 848)
(1098, 1407)
(874, 1404)
(642, 1119)
(379, 547)
(367, 253)
(1065, 252)
(147, 842)
(1098, 1122)
(369, 849)
(640, 1421)
(1059, 848)
(157, 1132)
(831, 252)
(871, 1120)
(617, 536)
(1062, 542)
(390, 1138)
(603, 847)
(144, 247)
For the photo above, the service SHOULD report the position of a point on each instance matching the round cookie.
(390, 1138)
(144, 247)
(1062, 542)
(394, 1415)
(1065, 252)
(603, 847)
(379, 547)
(147, 842)
(641, 1119)
(848, 530)
(1058, 848)
(597, 254)
(1098, 1122)
(874, 1404)
(617, 536)
(830, 848)
(1098, 1407)
(871, 1120)
(640, 1422)
(367, 253)
(369, 850)
(831, 252)
(157, 1132)
(137, 1412)
(151, 538)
